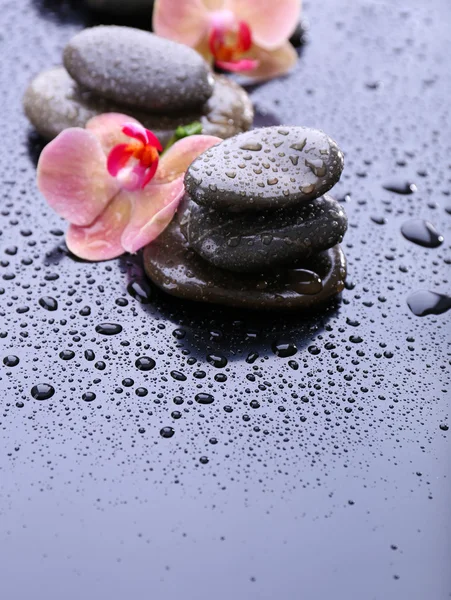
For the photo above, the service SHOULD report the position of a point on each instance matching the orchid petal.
(178, 158)
(108, 129)
(73, 178)
(138, 132)
(273, 63)
(152, 211)
(185, 22)
(238, 66)
(118, 158)
(272, 21)
(102, 239)
(150, 173)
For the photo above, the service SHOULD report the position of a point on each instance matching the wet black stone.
(139, 69)
(122, 7)
(255, 242)
(268, 168)
(53, 101)
(178, 270)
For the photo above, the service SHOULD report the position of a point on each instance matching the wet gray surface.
(337, 485)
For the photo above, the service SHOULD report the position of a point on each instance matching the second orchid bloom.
(243, 36)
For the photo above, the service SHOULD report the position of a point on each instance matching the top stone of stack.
(138, 69)
(265, 169)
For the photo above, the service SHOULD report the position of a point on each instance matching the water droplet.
(67, 354)
(305, 282)
(145, 363)
(42, 391)
(422, 233)
(11, 360)
(401, 188)
(204, 398)
(88, 396)
(299, 146)
(203, 460)
(217, 360)
(48, 303)
(140, 290)
(89, 355)
(317, 167)
(167, 432)
(424, 303)
(108, 328)
(314, 350)
(178, 376)
(284, 349)
(253, 146)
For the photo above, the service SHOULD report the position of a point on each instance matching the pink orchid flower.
(110, 183)
(243, 36)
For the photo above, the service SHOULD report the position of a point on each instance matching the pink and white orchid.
(111, 185)
(243, 36)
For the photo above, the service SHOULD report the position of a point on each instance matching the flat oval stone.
(121, 7)
(258, 241)
(265, 169)
(54, 101)
(139, 69)
(179, 271)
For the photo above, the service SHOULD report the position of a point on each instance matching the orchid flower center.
(134, 164)
(229, 39)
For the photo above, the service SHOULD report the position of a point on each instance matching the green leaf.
(183, 131)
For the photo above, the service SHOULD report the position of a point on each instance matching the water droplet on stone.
(253, 146)
(306, 282)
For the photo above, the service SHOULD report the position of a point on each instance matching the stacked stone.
(257, 227)
(161, 83)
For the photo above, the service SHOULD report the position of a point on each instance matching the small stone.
(178, 270)
(54, 101)
(265, 169)
(258, 241)
(139, 69)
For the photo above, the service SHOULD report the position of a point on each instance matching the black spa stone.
(258, 241)
(136, 68)
(174, 267)
(265, 169)
(53, 102)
